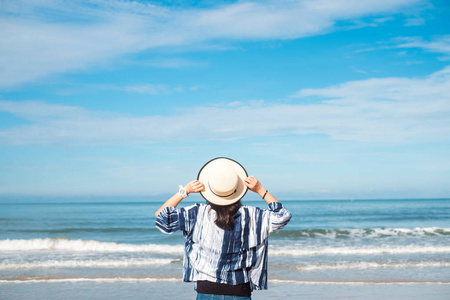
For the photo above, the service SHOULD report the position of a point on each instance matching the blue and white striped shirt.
(233, 256)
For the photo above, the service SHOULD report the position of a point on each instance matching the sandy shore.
(182, 291)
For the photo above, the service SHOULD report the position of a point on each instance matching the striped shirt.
(233, 256)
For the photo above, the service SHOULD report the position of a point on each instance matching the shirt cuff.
(275, 206)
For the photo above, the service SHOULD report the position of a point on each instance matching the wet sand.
(182, 291)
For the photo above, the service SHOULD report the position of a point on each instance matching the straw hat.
(223, 179)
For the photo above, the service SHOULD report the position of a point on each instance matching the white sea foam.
(359, 250)
(93, 279)
(159, 279)
(364, 265)
(312, 282)
(101, 263)
(58, 244)
(124, 263)
(67, 245)
(366, 233)
(419, 231)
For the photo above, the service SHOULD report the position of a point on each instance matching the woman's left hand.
(194, 186)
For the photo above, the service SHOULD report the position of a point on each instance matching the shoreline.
(52, 279)
(177, 290)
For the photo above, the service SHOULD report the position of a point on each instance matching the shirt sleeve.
(171, 219)
(278, 216)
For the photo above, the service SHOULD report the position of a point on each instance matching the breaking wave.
(87, 279)
(63, 244)
(91, 263)
(67, 245)
(364, 233)
(162, 279)
(357, 250)
(365, 265)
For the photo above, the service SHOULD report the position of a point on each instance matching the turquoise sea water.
(344, 242)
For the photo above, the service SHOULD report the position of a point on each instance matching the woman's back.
(225, 243)
(230, 256)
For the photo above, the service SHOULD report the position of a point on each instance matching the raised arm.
(255, 186)
(194, 186)
(278, 215)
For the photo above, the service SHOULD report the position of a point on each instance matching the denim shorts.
(220, 297)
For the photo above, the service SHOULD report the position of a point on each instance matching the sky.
(325, 99)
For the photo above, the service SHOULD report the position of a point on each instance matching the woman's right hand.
(254, 185)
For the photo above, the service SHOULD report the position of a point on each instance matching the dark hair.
(225, 214)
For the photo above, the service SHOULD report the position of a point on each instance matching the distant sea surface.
(326, 242)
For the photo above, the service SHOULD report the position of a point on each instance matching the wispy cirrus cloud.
(415, 21)
(376, 110)
(173, 63)
(146, 88)
(40, 38)
(138, 88)
(439, 44)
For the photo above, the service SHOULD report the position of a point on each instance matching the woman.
(225, 242)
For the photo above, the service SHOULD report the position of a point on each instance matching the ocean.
(112, 249)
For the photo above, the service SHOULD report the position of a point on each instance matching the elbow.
(282, 221)
(288, 217)
(164, 230)
(166, 226)
(158, 212)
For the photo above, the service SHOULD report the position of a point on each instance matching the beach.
(181, 291)
(371, 249)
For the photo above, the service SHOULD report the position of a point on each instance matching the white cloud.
(153, 89)
(439, 44)
(376, 110)
(173, 63)
(415, 21)
(46, 37)
(141, 88)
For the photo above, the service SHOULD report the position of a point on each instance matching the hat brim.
(241, 189)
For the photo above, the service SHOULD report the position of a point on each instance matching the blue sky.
(322, 99)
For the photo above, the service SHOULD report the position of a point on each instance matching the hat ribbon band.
(234, 192)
